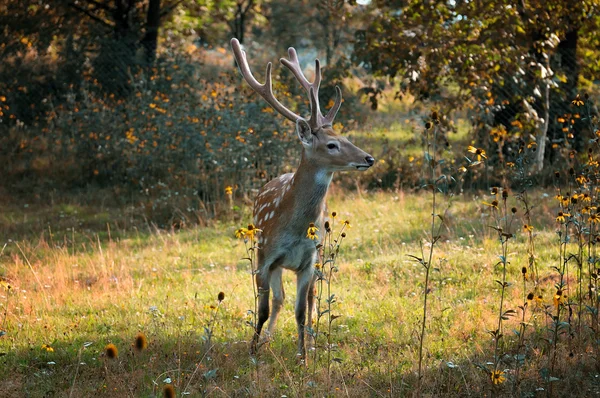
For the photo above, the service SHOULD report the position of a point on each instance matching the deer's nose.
(370, 160)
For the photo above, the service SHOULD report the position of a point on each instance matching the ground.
(82, 278)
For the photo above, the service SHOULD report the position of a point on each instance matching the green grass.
(80, 290)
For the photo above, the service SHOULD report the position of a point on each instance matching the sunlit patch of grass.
(81, 294)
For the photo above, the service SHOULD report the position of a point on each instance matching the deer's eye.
(331, 146)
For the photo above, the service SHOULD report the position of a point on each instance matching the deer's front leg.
(303, 284)
(262, 282)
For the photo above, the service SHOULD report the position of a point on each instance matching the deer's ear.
(304, 132)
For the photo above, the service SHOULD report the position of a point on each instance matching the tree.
(516, 63)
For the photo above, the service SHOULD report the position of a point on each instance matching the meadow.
(76, 279)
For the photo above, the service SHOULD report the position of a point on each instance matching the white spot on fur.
(271, 214)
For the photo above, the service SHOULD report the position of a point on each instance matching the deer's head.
(323, 147)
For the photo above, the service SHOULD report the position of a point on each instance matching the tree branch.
(250, 4)
(92, 16)
(170, 8)
(100, 5)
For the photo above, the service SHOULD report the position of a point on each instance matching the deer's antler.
(317, 119)
(265, 90)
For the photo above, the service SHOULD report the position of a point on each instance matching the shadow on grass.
(368, 367)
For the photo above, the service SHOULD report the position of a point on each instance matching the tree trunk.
(150, 40)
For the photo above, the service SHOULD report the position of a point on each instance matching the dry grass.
(79, 290)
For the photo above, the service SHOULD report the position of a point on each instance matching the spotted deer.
(286, 206)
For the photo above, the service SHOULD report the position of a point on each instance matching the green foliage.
(175, 135)
(511, 65)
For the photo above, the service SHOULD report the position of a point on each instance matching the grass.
(101, 278)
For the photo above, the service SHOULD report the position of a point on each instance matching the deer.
(286, 206)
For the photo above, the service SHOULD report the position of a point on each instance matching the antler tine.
(293, 64)
(328, 119)
(265, 90)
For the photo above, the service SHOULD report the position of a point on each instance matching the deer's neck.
(309, 191)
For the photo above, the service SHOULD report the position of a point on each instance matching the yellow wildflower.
(311, 233)
(558, 298)
(560, 217)
(527, 228)
(498, 377)
(241, 233)
(477, 151)
(47, 347)
(251, 231)
(493, 205)
(594, 218)
(578, 101)
(228, 190)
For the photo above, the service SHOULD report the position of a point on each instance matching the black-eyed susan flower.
(581, 179)
(228, 190)
(5, 284)
(333, 214)
(241, 233)
(251, 231)
(111, 351)
(493, 205)
(560, 217)
(578, 101)
(494, 191)
(141, 342)
(347, 224)
(47, 348)
(594, 218)
(318, 266)
(527, 228)
(558, 298)
(462, 169)
(498, 377)
(311, 232)
(480, 153)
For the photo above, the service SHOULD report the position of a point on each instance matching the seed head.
(141, 343)
(530, 296)
(343, 234)
(504, 193)
(513, 210)
(221, 296)
(111, 351)
(556, 175)
(169, 391)
(524, 270)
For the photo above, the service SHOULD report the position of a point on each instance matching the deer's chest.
(290, 251)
